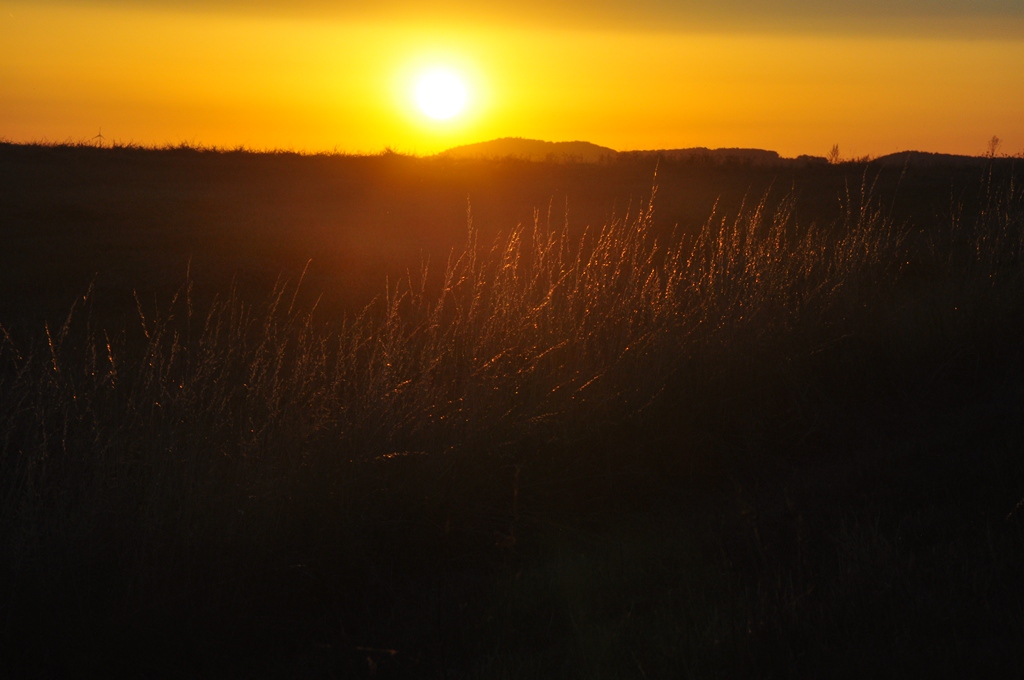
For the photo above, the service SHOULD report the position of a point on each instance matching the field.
(272, 415)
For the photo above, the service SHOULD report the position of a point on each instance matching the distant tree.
(833, 155)
(993, 146)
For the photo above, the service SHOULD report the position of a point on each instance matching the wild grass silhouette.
(194, 465)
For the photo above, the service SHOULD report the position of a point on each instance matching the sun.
(440, 94)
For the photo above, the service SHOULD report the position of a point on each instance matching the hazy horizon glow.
(317, 80)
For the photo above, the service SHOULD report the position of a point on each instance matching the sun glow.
(440, 94)
(159, 74)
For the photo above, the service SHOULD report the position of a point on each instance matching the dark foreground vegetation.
(785, 440)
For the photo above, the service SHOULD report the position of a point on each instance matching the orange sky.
(316, 80)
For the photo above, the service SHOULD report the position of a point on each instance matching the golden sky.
(875, 78)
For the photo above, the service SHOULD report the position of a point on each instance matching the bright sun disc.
(440, 94)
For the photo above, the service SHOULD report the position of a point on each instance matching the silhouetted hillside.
(729, 156)
(585, 152)
(532, 149)
(924, 159)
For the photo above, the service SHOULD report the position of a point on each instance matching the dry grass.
(198, 434)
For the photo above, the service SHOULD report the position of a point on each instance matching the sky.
(794, 76)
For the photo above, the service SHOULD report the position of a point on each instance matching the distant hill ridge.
(585, 152)
(928, 159)
(533, 150)
(727, 156)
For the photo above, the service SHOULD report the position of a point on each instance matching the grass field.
(287, 416)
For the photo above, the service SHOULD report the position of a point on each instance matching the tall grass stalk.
(194, 431)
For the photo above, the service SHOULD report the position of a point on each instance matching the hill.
(728, 156)
(586, 152)
(533, 150)
(924, 159)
